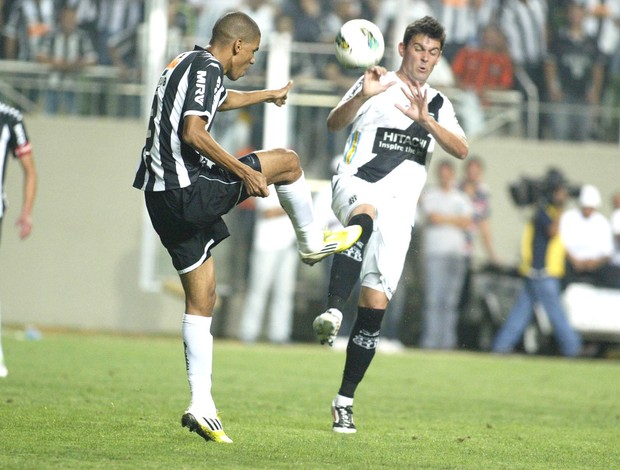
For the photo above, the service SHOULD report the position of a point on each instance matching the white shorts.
(387, 248)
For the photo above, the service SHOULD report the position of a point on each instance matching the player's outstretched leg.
(333, 242)
(314, 244)
(344, 275)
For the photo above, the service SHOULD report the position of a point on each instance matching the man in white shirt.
(587, 237)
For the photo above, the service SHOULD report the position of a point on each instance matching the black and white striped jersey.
(13, 139)
(192, 84)
(525, 27)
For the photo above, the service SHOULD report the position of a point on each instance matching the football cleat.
(333, 242)
(3, 370)
(210, 429)
(326, 325)
(343, 419)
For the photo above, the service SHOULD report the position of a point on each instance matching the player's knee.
(202, 304)
(365, 221)
(291, 164)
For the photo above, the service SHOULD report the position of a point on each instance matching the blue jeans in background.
(546, 291)
(444, 279)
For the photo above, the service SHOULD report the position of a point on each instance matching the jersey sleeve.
(447, 118)
(205, 89)
(19, 139)
(354, 90)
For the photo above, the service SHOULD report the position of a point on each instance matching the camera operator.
(588, 238)
(542, 267)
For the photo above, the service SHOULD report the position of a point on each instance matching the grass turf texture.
(97, 401)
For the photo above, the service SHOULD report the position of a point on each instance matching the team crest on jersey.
(201, 84)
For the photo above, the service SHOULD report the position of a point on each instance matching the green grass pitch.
(115, 402)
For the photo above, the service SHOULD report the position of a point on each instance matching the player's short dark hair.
(427, 26)
(232, 26)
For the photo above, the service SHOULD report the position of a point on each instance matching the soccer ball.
(359, 44)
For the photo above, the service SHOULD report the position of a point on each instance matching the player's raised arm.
(455, 144)
(240, 99)
(368, 86)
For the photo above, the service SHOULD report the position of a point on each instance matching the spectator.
(612, 96)
(207, 13)
(115, 17)
(87, 12)
(448, 214)
(124, 54)
(603, 23)
(478, 191)
(587, 236)
(308, 18)
(6, 6)
(264, 13)
(391, 16)
(542, 267)
(524, 22)
(574, 78)
(480, 69)
(28, 22)
(459, 18)
(67, 50)
(273, 271)
(487, 12)
(615, 227)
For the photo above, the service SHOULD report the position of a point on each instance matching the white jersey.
(384, 165)
(388, 149)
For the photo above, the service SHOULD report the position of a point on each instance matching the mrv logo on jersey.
(201, 84)
(400, 142)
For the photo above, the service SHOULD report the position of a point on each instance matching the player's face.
(420, 56)
(243, 58)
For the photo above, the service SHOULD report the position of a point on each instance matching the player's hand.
(255, 183)
(372, 81)
(24, 225)
(418, 104)
(280, 96)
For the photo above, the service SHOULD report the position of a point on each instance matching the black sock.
(361, 348)
(347, 265)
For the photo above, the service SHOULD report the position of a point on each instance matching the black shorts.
(189, 220)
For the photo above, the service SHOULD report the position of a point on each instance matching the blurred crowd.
(564, 54)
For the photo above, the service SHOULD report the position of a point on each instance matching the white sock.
(296, 200)
(198, 342)
(343, 401)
